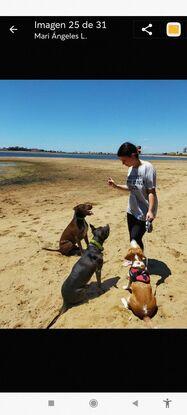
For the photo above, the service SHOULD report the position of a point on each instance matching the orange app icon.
(173, 29)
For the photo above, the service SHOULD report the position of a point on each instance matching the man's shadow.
(156, 267)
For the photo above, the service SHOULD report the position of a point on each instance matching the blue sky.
(94, 115)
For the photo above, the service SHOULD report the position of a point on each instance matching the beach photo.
(93, 204)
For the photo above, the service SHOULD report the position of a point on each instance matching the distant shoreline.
(89, 153)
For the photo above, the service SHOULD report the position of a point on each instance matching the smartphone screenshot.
(93, 173)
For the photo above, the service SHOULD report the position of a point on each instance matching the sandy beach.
(37, 201)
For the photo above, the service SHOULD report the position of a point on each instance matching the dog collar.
(97, 244)
(79, 218)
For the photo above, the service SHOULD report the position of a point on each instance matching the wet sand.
(37, 204)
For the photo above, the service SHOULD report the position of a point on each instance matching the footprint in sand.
(19, 287)
(22, 235)
(175, 253)
(4, 232)
(22, 302)
(17, 325)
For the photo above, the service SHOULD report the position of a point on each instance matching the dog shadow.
(94, 291)
(76, 252)
(160, 268)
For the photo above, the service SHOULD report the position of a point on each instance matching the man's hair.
(127, 149)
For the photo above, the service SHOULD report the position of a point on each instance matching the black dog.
(74, 287)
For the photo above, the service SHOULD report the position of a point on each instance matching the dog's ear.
(129, 257)
(108, 228)
(92, 228)
(76, 208)
(130, 254)
(140, 254)
(127, 263)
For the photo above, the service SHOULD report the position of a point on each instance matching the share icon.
(144, 29)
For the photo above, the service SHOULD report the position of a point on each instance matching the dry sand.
(37, 206)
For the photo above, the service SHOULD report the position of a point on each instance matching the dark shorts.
(136, 229)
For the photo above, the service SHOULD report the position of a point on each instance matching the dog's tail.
(50, 249)
(62, 311)
(148, 322)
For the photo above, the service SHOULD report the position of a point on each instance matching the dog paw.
(125, 287)
(124, 302)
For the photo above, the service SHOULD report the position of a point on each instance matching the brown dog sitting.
(142, 302)
(75, 231)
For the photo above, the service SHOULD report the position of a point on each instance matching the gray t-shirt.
(139, 180)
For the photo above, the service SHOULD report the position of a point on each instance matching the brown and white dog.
(142, 301)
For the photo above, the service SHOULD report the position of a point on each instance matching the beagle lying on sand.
(142, 302)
